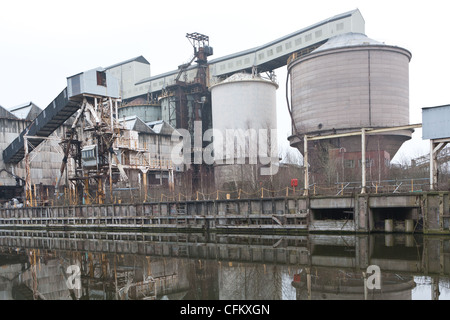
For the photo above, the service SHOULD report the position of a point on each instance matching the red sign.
(294, 183)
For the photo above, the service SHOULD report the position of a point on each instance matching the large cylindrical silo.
(145, 110)
(242, 105)
(351, 82)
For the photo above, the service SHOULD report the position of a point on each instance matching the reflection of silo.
(330, 283)
(245, 281)
(146, 111)
(352, 82)
(243, 103)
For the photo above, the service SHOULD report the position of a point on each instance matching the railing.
(373, 187)
(339, 189)
(163, 195)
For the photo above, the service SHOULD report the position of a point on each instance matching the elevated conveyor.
(52, 117)
(266, 57)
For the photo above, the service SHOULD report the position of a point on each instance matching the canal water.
(203, 266)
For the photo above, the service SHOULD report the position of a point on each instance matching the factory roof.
(6, 114)
(348, 40)
(155, 127)
(243, 76)
(27, 111)
(136, 124)
(138, 59)
(433, 107)
(161, 127)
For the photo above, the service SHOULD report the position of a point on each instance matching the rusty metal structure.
(97, 161)
(188, 102)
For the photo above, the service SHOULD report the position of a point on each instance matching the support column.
(432, 167)
(305, 165)
(363, 160)
(435, 148)
(28, 192)
(144, 173)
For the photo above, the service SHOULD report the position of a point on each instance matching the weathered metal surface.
(436, 122)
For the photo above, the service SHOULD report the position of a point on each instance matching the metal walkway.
(52, 117)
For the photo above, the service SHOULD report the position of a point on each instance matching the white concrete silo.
(243, 114)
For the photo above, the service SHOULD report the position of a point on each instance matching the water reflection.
(128, 266)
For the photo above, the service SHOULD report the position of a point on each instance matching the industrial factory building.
(115, 124)
(46, 158)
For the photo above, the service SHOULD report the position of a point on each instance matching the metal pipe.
(363, 160)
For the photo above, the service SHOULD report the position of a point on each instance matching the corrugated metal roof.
(161, 127)
(138, 59)
(6, 114)
(27, 111)
(136, 124)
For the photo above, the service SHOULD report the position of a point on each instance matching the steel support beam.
(436, 146)
(363, 132)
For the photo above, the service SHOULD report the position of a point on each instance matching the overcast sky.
(44, 42)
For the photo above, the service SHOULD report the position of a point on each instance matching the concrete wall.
(306, 214)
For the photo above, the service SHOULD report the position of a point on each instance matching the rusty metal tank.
(351, 82)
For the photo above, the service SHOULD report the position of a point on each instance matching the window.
(101, 78)
(369, 163)
(349, 163)
(88, 154)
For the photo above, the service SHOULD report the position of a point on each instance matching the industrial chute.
(99, 132)
(66, 151)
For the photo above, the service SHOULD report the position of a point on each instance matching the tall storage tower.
(242, 105)
(351, 82)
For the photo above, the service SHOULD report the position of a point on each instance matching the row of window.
(369, 163)
(88, 154)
